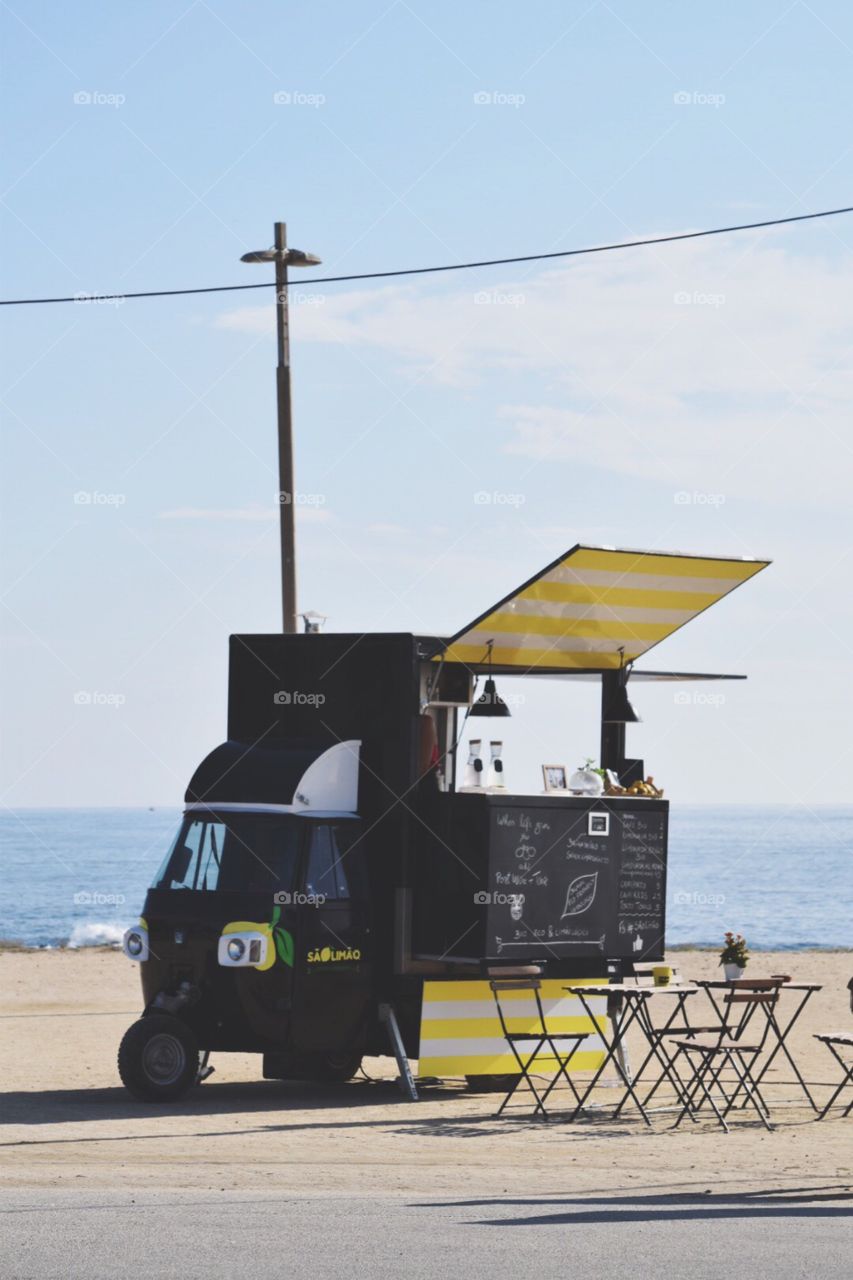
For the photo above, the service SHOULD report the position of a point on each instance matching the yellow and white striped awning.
(461, 1032)
(598, 608)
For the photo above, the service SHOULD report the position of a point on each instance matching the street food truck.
(335, 869)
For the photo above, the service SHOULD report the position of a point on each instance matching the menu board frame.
(575, 878)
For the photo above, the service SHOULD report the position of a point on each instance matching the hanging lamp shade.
(618, 709)
(490, 702)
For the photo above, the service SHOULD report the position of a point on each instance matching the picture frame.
(598, 823)
(555, 777)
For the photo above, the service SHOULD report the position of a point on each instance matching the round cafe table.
(629, 1004)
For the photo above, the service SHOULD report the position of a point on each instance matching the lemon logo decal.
(283, 940)
(279, 941)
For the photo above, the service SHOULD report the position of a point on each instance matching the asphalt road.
(235, 1235)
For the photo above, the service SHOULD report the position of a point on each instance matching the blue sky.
(689, 397)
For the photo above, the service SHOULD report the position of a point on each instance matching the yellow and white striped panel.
(590, 604)
(461, 1032)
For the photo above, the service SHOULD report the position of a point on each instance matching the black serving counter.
(563, 879)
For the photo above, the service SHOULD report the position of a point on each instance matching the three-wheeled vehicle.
(328, 865)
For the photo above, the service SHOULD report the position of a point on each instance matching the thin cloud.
(719, 367)
(249, 514)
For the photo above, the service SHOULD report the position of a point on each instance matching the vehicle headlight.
(134, 944)
(236, 949)
(244, 949)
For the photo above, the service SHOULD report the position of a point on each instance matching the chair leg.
(671, 1074)
(708, 1092)
(678, 1082)
(742, 1071)
(715, 1081)
(753, 1081)
(847, 1078)
(524, 1070)
(515, 1085)
(563, 1068)
(691, 1091)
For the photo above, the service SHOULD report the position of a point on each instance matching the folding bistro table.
(628, 1004)
(779, 1033)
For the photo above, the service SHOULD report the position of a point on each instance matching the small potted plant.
(734, 956)
(587, 780)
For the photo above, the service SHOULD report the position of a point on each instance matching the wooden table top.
(631, 989)
(758, 984)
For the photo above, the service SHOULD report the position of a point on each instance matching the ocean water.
(783, 876)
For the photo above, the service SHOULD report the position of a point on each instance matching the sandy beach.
(67, 1122)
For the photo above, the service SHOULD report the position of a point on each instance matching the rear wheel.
(328, 1068)
(489, 1084)
(158, 1058)
(335, 1066)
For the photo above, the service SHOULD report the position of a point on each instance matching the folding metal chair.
(526, 1045)
(710, 1055)
(832, 1040)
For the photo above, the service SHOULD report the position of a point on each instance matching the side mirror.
(180, 863)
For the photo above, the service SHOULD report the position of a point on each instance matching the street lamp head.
(299, 258)
(291, 257)
(260, 255)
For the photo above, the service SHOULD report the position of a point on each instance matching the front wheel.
(158, 1058)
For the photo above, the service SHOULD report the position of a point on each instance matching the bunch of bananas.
(638, 788)
(646, 788)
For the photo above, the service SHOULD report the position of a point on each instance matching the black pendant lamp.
(617, 708)
(490, 702)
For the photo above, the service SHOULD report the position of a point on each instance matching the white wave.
(96, 935)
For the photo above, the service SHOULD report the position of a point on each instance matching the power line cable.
(422, 271)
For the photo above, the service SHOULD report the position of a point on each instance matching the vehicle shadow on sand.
(75, 1106)
(305, 1106)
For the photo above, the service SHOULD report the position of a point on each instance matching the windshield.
(240, 852)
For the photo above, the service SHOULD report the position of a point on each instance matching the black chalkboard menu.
(575, 877)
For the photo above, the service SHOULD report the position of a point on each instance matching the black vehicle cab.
(256, 928)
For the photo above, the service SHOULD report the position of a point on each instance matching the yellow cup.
(662, 973)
